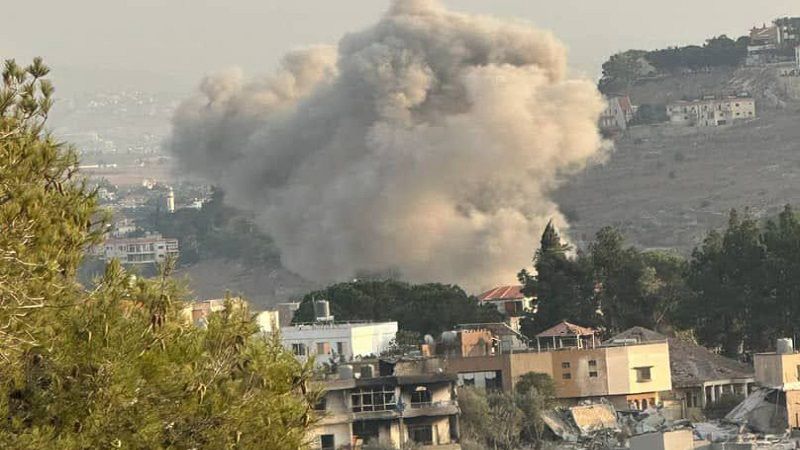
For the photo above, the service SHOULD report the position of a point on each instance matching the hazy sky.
(170, 44)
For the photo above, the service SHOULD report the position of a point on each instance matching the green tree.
(561, 285)
(727, 274)
(116, 366)
(423, 308)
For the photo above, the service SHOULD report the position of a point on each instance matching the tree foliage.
(505, 420)
(116, 366)
(422, 308)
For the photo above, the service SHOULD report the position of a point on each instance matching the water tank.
(449, 337)
(345, 371)
(322, 311)
(367, 371)
(785, 346)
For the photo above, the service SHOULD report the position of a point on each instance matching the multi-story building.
(152, 248)
(629, 374)
(334, 342)
(712, 111)
(763, 45)
(389, 409)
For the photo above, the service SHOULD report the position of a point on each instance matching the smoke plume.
(427, 143)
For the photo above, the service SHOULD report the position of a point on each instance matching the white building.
(342, 340)
(149, 249)
(712, 111)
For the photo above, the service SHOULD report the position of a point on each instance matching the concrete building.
(388, 409)
(149, 249)
(780, 371)
(631, 375)
(700, 377)
(330, 342)
(268, 321)
(618, 114)
(712, 111)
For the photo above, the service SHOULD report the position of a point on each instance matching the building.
(197, 312)
(779, 372)
(630, 375)
(335, 342)
(789, 30)
(763, 45)
(700, 377)
(286, 312)
(152, 248)
(268, 321)
(712, 111)
(566, 334)
(509, 300)
(618, 114)
(392, 409)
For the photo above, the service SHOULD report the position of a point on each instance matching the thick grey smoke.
(427, 143)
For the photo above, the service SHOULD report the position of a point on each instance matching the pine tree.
(115, 366)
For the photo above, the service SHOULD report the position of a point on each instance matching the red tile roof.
(567, 329)
(502, 293)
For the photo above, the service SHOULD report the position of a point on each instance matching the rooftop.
(502, 293)
(335, 325)
(566, 329)
(691, 364)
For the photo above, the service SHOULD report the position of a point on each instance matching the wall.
(580, 384)
(671, 440)
(773, 370)
(622, 361)
(372, 339)
(342, 434)
(475, 342)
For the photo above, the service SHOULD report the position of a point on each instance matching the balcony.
(429, 409)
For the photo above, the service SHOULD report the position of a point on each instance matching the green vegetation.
(739, 291)
(623, 69)
(503, 420)
(115, 367)
(422, 308)
(217, 231)
(612, 286)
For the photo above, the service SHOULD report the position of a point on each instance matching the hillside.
(666, 187)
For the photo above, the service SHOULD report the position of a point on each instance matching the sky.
(170, 45)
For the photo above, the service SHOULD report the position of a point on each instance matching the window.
(565, 365)
(592, 363)
(643, 374)
(323, 348)
(326, 442)
(378, 398)
(593, 374)
(566, 376)
(299, 349)
(798, 372)
(421, 397)
(340, 348)
(421, 434)
(321, 404)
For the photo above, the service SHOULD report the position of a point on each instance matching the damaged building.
(700, 377)
(631, 375)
